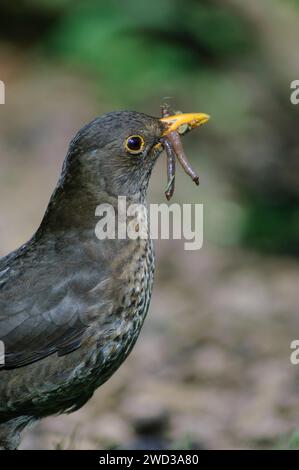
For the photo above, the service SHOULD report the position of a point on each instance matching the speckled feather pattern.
(72, 306)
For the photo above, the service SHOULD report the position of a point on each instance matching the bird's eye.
(134, 144)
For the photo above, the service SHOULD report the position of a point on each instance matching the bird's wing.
(46, 305)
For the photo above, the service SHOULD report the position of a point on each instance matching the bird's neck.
(76, 207)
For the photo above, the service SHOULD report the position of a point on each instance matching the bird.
(72, 305)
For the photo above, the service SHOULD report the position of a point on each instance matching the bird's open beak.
(173, 123)
(174, 126)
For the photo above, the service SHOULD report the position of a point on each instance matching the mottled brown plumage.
(71, 305)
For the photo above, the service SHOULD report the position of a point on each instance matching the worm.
(174, 148)
(170, 169)
(177, 146)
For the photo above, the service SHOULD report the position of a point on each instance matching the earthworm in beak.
(172, 144)
(170, 168)
(176, 143)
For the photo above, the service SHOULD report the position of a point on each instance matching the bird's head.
(117, 151)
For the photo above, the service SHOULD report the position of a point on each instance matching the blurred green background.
(211, 368)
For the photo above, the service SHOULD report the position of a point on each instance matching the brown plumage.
(71, 305)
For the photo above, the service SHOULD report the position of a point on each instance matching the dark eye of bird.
(135, 144)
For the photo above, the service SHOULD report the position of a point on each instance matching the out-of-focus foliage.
(293, 443)
(142, 47)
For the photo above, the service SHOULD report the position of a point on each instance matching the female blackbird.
(71, 305)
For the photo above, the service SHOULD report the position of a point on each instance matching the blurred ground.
(212, 365)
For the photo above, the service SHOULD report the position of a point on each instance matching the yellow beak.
(173, 123)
